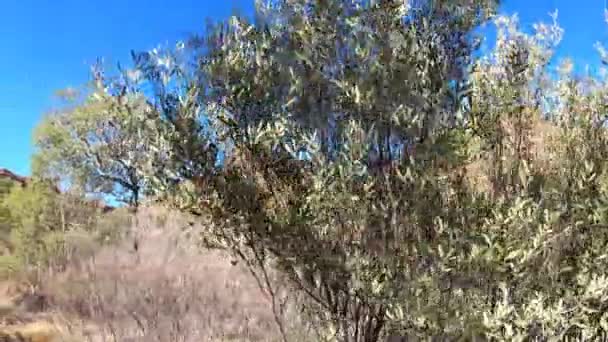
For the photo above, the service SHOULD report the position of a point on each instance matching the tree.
(100, 143)
(334, 81)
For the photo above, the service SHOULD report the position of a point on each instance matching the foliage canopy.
(402, 185)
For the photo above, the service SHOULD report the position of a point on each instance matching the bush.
(395, 181)
(9, 266)
(38, 219)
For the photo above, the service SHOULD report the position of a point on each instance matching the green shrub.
(9, 266)
(43, 226)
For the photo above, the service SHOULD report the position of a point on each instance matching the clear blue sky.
(49, 45)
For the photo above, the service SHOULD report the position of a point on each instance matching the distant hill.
(11, 176)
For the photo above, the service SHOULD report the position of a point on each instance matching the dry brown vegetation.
(169, 289)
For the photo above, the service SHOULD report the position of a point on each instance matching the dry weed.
(166, 289)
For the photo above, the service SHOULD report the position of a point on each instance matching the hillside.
(10, 178)
(8, 175)
(167, 290)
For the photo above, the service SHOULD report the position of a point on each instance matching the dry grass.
(168, 290)
(40, 331)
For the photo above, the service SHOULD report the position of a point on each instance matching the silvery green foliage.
(319, 78)
(420, 249)
(547, 248)
(352, 134)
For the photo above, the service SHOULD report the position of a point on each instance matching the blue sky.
(49, 45)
